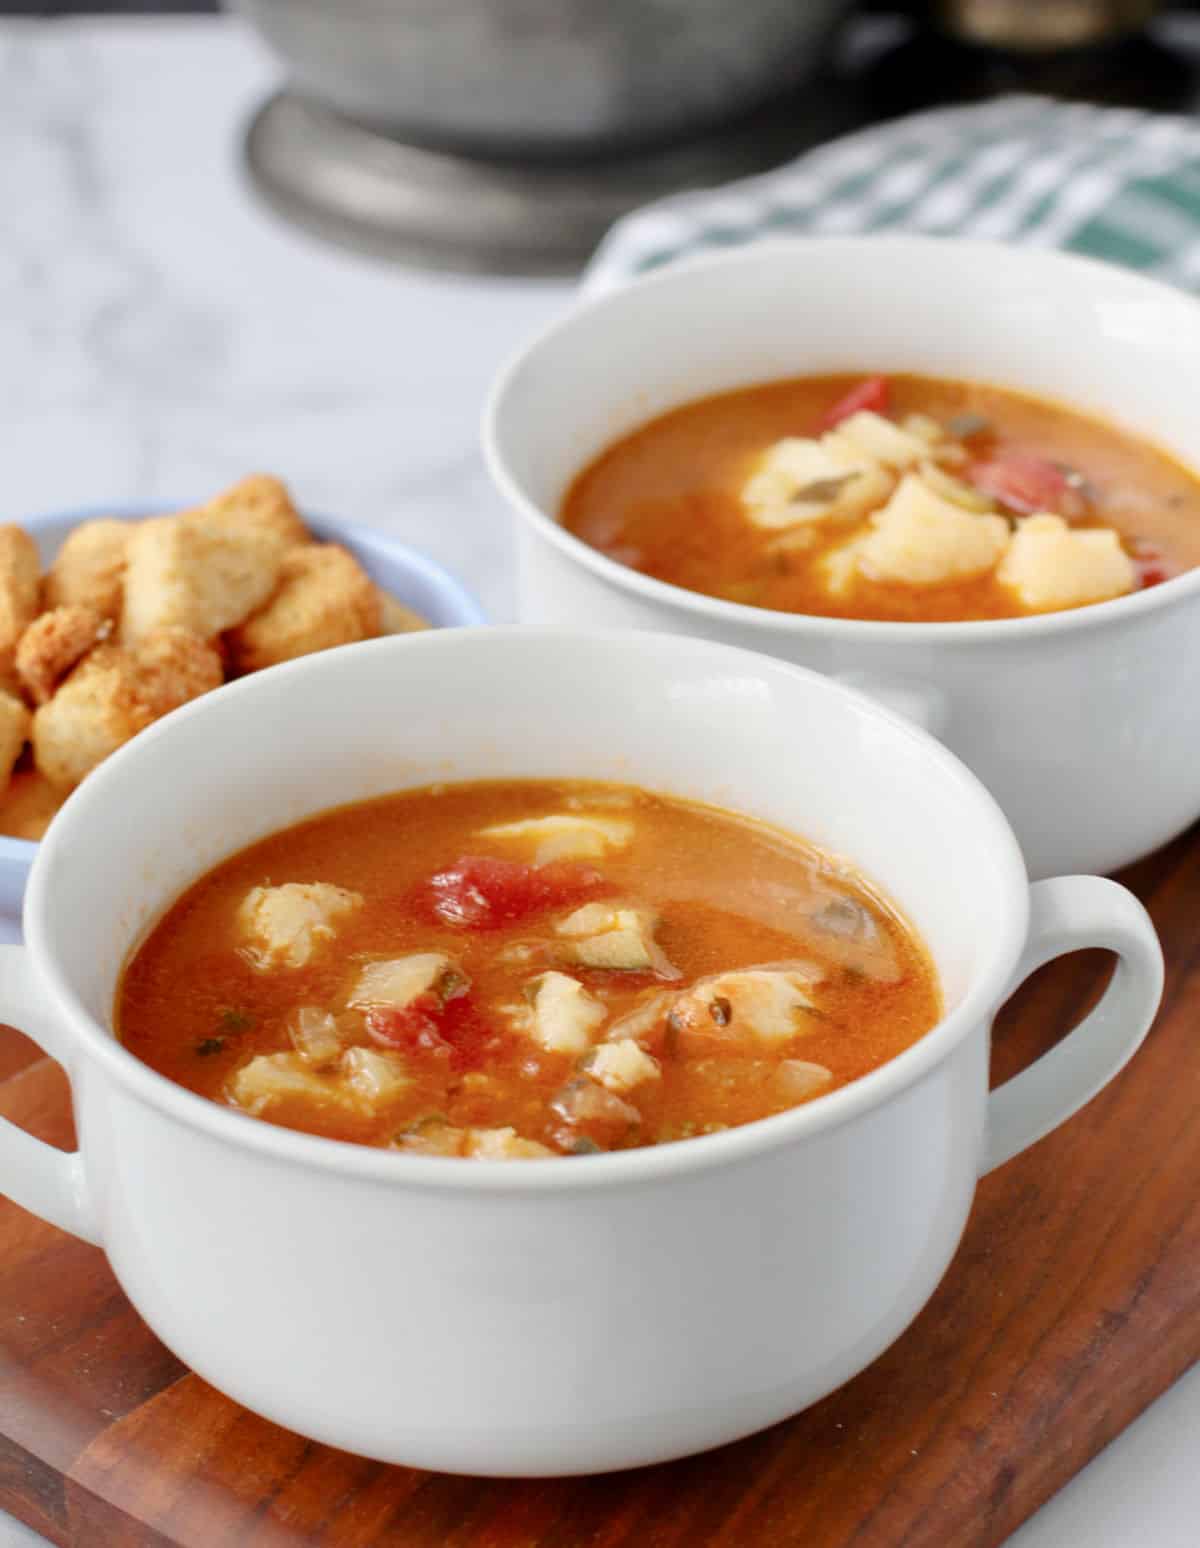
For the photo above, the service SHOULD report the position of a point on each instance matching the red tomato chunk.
(1024, 482)
(454, 1031)
(871, 395)
(1152, 565)
(479, 892)
(410, 1026)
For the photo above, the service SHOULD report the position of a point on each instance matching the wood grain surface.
(1071, 1305)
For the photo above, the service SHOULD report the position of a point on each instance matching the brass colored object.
(1042, 26)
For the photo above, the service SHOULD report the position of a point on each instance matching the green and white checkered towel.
(1112, 182)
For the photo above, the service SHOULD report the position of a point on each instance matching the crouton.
(325, 598)
(921, 539)
(174, 666)
(1049, 565)
(259, 502)
(196, 572)
(89, 568)
(53, 643)
(20, 588)
(395, 618)
(15, 721)
(96, 709)
(286, 924)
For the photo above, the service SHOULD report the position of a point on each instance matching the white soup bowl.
(571, 1314)
(1085, 725)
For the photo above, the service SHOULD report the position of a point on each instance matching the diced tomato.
(474, 1039)
(869, 396)
(1024, 482)
(1152, 565)
(454, 1031)
(410, 1026)
(480, 892)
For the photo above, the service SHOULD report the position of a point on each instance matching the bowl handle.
(1069, 913)
(42, 1179)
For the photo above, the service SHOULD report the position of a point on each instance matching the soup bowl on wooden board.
(1085, 724)
(411, 577)
(572, 1314)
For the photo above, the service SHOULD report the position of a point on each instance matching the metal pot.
(522, 77)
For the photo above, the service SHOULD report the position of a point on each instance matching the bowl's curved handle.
(42, 1179)
(1069, 913)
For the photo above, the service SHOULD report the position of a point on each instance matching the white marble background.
(160, 335)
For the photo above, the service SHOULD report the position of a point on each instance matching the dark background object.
(536, 213)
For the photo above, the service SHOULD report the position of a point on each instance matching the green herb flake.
(964, 426)
(207, 1046)
(233, 1020)
(822, 490)
(451, 984)
(582, 1146)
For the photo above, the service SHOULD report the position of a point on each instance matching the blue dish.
(410, 576)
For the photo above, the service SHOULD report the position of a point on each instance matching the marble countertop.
(160, 335)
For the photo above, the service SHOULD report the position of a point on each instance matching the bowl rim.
(769, 622)
(991, 980)
(21, 852)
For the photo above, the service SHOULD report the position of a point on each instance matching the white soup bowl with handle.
(572, 1314)
(1085, 725)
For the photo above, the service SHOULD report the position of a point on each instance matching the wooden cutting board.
(1071, 1305)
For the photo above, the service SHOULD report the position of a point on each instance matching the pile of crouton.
(134, 619)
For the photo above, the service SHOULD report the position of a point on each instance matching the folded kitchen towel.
(1111, 182)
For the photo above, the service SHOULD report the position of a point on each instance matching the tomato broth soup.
(525, 968)
(903, 498)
